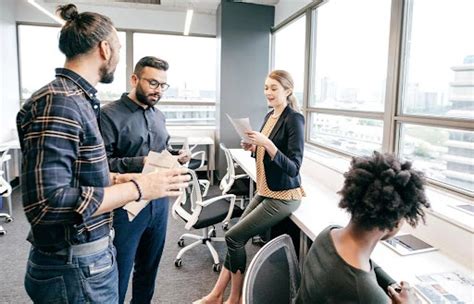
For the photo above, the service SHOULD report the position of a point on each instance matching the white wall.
(128, 18)
(9, 91)
(285, 8)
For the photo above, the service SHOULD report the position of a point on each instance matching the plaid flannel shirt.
(64, 168)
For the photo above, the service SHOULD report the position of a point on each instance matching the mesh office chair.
(196, 162)
(5, 190)
(199, 214)
(273, 276)
(239, 185)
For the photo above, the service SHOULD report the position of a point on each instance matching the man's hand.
(163, 183)
(405, 296)
(184, 156)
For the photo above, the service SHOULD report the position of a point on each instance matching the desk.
(319, 209)
(210, 150)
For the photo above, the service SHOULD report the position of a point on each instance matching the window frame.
(392, 116)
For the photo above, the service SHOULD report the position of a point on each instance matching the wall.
(128, 18)
(243, 32)
(9, 90)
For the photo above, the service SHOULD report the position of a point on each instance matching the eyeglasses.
(155, 84)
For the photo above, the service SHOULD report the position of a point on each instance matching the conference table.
(319, 209)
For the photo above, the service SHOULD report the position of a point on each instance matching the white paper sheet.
(155, 162)
(241, 125)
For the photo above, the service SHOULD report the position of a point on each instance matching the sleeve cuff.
(136, 165)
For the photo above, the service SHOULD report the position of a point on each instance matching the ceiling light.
(46, 12)
(187, 23)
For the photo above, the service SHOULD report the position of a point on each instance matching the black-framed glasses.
(154, 84)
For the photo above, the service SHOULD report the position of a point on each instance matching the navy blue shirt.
(64, 168)
(130, 132)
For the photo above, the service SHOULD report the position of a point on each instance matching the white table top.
(193, 140)
(319, 209)
(12, 144)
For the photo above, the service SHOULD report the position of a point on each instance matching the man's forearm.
(117, 196)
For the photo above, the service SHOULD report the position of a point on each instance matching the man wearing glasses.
(132, 127)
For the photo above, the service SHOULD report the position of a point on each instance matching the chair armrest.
(241, 176)
(217, 198)
(201, 155)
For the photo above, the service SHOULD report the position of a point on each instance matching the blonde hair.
(286, 81)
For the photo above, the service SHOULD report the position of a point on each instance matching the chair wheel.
(178, 263)
(181, 243)
(216, 267)
(8, 220)
(225, 226)
(3, 232)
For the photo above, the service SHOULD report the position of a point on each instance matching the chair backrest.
(186, 205)
(229, 178)
(273, 275)
(5, 187)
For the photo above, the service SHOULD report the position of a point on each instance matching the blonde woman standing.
(278, 151)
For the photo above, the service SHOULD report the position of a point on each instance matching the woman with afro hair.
(380, 193)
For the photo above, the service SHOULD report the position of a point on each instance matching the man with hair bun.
(68, 191)
(380, 193)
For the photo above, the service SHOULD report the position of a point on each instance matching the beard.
(106, 73)
(146, 99)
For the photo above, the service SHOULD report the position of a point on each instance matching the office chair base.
(208, 236)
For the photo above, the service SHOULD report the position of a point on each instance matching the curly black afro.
(379, 191)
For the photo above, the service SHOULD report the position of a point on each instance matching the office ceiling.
(199, 6)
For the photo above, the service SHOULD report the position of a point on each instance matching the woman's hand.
(257, 138)
(405, 296)
(247, 146)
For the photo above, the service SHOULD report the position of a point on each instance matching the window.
(38, 54)
(39, 51)
(438, 86)
(192, 75)
(113, 91)
(350, 67)
(289, 52)
(389, 76)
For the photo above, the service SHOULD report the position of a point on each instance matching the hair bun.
(67, 12)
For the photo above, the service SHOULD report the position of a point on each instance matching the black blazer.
(283, 172)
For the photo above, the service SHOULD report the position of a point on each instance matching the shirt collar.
(79, 80)
(132, 105)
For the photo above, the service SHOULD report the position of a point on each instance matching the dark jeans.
(58, 279)
(261, 214)
(140, 241)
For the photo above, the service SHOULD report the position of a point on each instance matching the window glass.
(351, 52)
(446, 155)
(40, 55)
(192, 74)
(439, 59)
(347, 134)
(289, 53)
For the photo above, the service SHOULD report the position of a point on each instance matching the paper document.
(155, 162)
(241, 125)
(446, 287)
